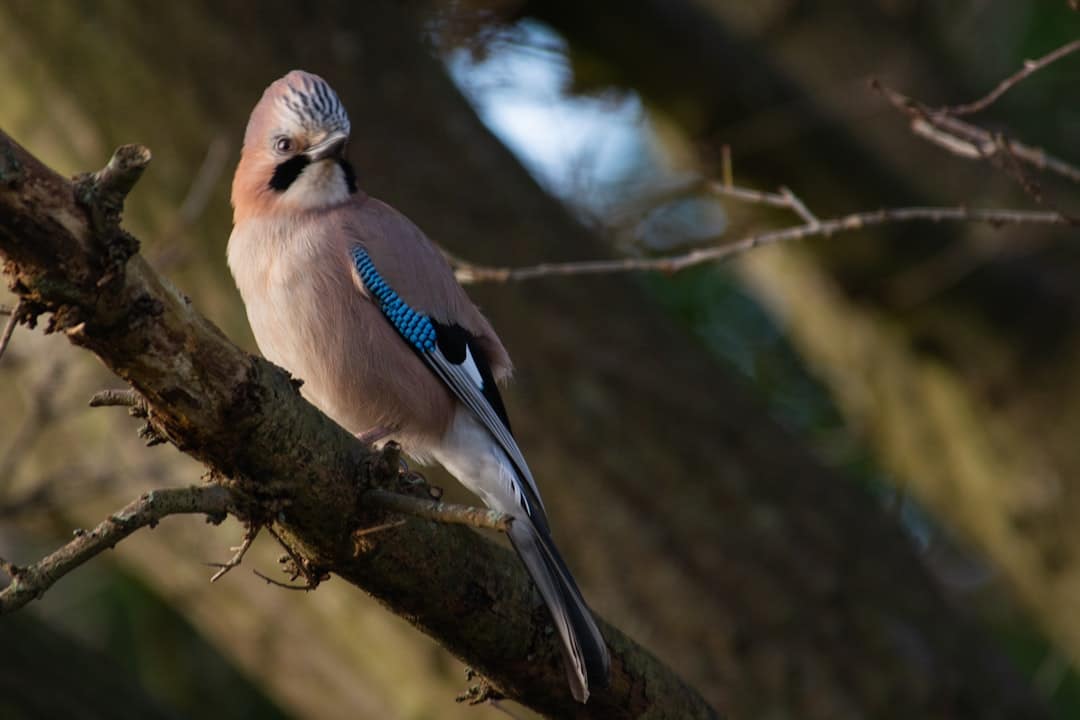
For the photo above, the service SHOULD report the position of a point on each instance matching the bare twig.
(377, 528)
(825, 228)
(970, 141)
(799, 207)
(300, 566)
(240, 551)
(9, 327)
(306, 588)
(169, 251)
(116, 398)
(37, 415)
(1030, 67)
(5, 310)
(440, 512)
(30, 582)
(120, 398)
(747, 195)
(1031, 188)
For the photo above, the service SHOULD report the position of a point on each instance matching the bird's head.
(293, 157)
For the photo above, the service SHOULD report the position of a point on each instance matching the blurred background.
(832, 479)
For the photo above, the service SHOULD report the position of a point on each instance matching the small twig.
(439, 512)
(250, 534)
(306, 588)
(1030, 187)
(116, 398)
(199, 192)
(727, 172)
(5, 310)
(1030, 67)
(799, 207)
(747, 195)
(717, 253)
(9, 327)
(377, 528)
(299, 563)
(966, 140)
(30, 582)
(121, 398)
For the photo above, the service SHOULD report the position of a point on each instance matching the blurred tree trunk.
(691, 520)
(953, 350)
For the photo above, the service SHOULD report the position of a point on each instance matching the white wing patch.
(470, 367)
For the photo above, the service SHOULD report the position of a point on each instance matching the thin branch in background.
(306, 588)
(30, 582)
(9, 327)
(5, 310)
(747, 195)
(799, 207)
(37, 415)
(470, 273)
(170, 252)
(967, 140)
(1015, 169)
(240, 551)
(1030, 67)
(439, 512)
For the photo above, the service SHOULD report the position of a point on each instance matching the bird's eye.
(283, 145)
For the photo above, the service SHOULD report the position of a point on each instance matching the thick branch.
(244, 418)
(30, 582)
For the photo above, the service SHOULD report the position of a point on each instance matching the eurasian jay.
(347, 294)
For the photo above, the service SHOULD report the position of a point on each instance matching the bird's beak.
(332, 146)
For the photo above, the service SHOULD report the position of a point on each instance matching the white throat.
(321, 184)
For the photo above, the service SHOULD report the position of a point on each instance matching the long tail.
(586, 655)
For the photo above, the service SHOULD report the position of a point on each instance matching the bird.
(348, 295)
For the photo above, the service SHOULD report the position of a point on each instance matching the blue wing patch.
(455, 358)
(416, 328)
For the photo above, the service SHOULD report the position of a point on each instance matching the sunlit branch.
(439, 511)
(30, 582)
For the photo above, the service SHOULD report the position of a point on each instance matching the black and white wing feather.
(455, 356)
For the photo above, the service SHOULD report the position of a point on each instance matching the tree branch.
(480, 518)
(1030, 67)
(245, 419)
(470, 273)
(967, 140)
(30, 582)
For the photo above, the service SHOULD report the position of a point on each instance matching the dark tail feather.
(586, 655)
